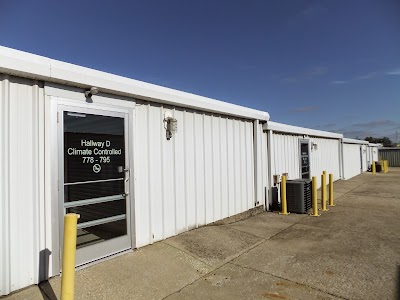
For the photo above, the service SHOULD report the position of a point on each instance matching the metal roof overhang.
(23, 64)
(355, 141)
(279, 127)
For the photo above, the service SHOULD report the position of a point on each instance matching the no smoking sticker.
(96, 168)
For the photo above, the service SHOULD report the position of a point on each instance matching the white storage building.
(302, 152)
(116, 158)
(373, 153)
(354, 157)
(138, 162)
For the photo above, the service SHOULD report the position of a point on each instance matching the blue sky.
(330, 65)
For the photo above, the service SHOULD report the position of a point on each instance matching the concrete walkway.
(350, 252)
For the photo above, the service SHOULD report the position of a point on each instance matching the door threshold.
(103, 259)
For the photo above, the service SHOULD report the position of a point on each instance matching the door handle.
(126, 179)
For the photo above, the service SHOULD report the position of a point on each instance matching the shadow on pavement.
(47, 291)
(398, 282)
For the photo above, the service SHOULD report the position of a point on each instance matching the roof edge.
(23, 64)
(354, 141)
(279, 127)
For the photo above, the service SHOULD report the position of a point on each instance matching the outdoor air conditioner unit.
(299, 195)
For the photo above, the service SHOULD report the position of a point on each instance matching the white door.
(305, 170)
(93, 179)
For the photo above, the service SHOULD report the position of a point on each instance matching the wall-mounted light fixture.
(314, 146)
(170, 124)
(93, 91)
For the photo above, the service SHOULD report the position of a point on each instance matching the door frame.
(361, 159)
(107, 104)
(308, 142)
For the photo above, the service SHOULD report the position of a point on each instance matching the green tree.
(385, 141)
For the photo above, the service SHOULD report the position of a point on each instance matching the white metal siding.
(325, 158)
(21, 182)
(364, 158)
(262, 166)
(375, 153)
(369, 155)
(203, 174)
(286, 156)
(372, 154)
(351, 160)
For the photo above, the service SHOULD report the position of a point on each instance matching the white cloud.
(340, 81)
(394, 72)
(366, 76)
(361, 77)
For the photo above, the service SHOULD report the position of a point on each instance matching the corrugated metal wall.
(372, 154)
(369, 155)
(351, 160)
(21, 184)
(286, 156)
(391, 155)
(375, 153)
(325, 158)
(203, 174)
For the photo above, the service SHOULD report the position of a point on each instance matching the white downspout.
(271, 166)
(342, 158)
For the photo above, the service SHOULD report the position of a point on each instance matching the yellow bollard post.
(283, 197)
(324, 186)
(314, 198)
(373, 168)
(331, 190)
(385, 162)
(68, 262)
(323, 192)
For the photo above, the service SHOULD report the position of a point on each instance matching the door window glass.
(94, 164)
(93, 147)
(305, 161)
